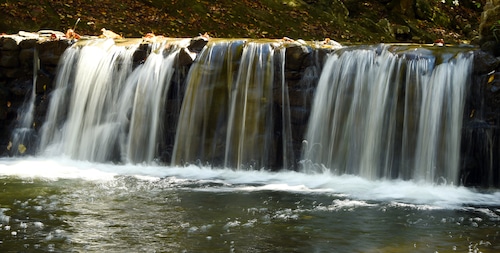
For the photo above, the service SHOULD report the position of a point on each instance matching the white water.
(372, 119)
(417, 194)
(83, 117)
(100, 107)
(377, 114)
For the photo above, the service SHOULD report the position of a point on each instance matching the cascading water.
(104, 110)
(381, 114)
(83, 118)
(149, 83)
(227, 117)
(24, 135)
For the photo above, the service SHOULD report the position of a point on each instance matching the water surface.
(61, 205)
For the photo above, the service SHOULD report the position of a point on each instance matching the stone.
(484, 62)
(26, 59)
(28, 43)
(9, 59)
(186, 57)
(12, 73)
(295, 55)
(8, 44)
(21, 88)
(50, 52)
(43, 82)
(197, 43)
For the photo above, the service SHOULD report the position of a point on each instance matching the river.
(63, 205)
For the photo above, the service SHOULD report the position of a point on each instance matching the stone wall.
(18, 56)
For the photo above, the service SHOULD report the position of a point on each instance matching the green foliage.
(496, 28)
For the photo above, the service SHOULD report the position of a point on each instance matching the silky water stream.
(379, 166)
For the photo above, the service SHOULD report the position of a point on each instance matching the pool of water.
(60, 205)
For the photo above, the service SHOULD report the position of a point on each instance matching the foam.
(397, 192)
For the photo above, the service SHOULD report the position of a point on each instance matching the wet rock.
(43, 82)
(197, 44)
(8, 44)
(11, 73)
(9, 59)
(186, 57)
(21, 88)
(4, 103)
(295, 55)
(299, 115)
(484, 62)
(28, 43)
(492, 47)
(141, 54)
(26, 59)
(300, 97)
(50, 51)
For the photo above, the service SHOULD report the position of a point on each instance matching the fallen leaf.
(21, 148)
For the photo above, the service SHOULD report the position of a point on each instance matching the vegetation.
(342, 20)
(496, 28)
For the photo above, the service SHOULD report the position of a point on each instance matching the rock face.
(481, 129)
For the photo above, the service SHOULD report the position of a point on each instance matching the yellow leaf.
(9, 146)
(21, 148)
(490, 80)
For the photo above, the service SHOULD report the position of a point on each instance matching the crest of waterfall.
(227, 115)
(102, 109)
(381, 114)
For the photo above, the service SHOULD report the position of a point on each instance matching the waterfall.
(384, 114)
(378, 111)
(104, 110)
(227, 117)
(149, 83)
(24, 135)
